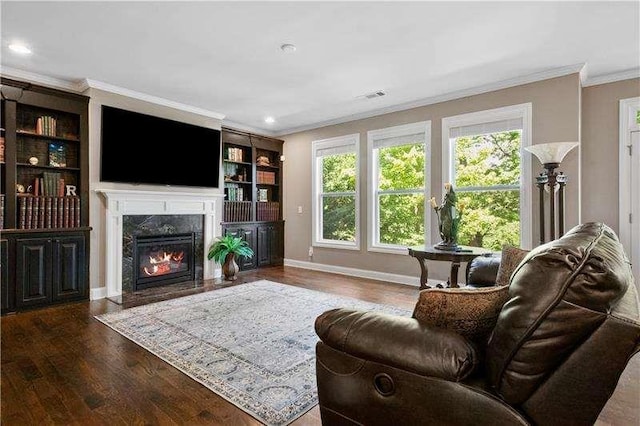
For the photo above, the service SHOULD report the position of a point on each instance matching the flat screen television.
(143, 149)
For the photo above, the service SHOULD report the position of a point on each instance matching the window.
(482, 158)
(335, 192)
(398, 187)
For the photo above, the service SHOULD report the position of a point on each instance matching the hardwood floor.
(61, 366)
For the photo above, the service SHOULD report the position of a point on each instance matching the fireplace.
(163, 259)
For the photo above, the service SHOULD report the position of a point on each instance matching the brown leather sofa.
(561, 341)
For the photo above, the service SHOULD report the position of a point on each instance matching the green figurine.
(448, 219)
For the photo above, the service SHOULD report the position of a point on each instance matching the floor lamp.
(551, 155)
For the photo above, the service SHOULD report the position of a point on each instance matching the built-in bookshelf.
(42, 165)
(252, 177)
(44, 195)
(253, 197)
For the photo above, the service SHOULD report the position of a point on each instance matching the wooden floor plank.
(60, 365)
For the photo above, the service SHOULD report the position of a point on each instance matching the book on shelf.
(237, 211)
(27, 208)
(46, 125)
(235, 154)
(268, 211)
(50, 185)
(57, 155)
(268, 178)
(54, 212)
(2, 211)
(43, 212)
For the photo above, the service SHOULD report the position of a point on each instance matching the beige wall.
(600, 149)
(556, 117)
(97, 204)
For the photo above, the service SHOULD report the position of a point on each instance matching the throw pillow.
(470, 312)
(511, 258)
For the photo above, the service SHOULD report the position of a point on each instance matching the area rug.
(253, 344)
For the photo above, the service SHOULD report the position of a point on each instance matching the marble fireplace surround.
(130, 202)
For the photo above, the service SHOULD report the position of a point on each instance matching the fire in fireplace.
(162, 259)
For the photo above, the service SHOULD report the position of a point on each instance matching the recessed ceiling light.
(19, 48)
(269, 120)
(288, 47)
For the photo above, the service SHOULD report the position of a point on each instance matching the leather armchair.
(560, 343)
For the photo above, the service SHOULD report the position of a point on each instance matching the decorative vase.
(230, 267)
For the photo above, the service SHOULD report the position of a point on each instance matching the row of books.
(48, 212)
(235, 192)
(235, 154)
(266, 177)
(237, 211)
(268, 211)
(50, 185)
(46, 125)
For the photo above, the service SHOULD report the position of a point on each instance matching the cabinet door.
(33, 271)
(264, 244)
(69, 281)
(276, 255)
(4, 276)
(248, 234)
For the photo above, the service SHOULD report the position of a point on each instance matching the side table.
(466, 254)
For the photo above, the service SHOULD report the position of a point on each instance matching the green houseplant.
(224, 251)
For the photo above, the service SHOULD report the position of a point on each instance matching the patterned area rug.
(253, 344)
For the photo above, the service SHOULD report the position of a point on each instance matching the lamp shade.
(551, 152)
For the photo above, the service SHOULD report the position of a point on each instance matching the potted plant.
(224, 251)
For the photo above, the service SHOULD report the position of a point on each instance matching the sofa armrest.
(397, 341)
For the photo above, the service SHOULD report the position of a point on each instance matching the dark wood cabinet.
(68, 269)
(265, 238)
(270, 244)
(4, 276)
(47, 268)
(44, 196)
(248, 233)
(33, 271)
(253, 197)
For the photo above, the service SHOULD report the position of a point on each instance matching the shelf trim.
(37, 135)
(73, 169)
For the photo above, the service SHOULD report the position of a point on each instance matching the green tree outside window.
(400, 194)
(338, 197)
(487, 183)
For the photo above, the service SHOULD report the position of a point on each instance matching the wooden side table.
(466, 254)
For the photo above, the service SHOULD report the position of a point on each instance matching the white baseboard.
(360, 273)
(98, 293)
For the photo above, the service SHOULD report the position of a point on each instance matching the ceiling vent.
(376, 94)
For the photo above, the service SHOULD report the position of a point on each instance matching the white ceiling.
(225, 56)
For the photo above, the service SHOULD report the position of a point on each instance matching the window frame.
(317, 193)
(373, 230)
(520, 111)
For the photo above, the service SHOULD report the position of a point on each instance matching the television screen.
(143, 149)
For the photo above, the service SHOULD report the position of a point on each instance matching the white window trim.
(628, 108)
(316, 205)
(372, 211)
(522, 111)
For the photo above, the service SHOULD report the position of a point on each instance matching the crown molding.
(43, 80)
(106, 87)
(491, 87)
(611, 78)
(248, 129)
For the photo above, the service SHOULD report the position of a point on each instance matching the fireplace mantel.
(122, 202)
